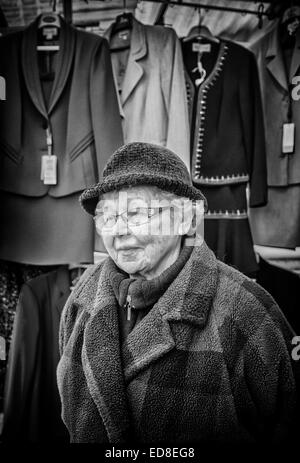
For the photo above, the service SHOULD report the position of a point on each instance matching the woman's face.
(146, 249)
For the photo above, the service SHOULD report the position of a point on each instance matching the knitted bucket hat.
(142, 164)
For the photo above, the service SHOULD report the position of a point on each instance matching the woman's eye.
(109, 219)
(133, 213)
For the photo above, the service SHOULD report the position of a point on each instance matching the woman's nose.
(121, 227)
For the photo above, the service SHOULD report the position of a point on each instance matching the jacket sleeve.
(173, 82)
(22, 367)
(106, 117)
(253, 130)
(265, 377)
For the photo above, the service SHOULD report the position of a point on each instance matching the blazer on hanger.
(276, 85)
(278, 223)
(82, 112)
(152, 100)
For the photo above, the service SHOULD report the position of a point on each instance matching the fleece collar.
(144, 293)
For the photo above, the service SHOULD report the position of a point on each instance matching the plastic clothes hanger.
(122, 21)
(291, 19)
(48, 28)
(201, 32)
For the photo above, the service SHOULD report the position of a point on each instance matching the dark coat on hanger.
(83, 114)
(31, 400)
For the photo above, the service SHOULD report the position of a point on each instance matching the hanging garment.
(12, 277)
(32, 411)
(277, 224)
(44, 224)
(152, 94)
(227, 145)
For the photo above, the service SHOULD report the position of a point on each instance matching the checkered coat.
(209, 362)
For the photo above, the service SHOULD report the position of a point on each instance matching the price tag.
(50, 32)
(288, 138)
(124, 35)
(201, 47)
(49, 169)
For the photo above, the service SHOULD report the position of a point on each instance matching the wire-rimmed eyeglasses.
(105, 220)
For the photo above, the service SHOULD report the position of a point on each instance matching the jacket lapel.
(187, 300)
(138, 50)
(102, 362)
(296, 58)
(275, 62)
(64, 60)
(30, 68)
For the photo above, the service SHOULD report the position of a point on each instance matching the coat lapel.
(187, 300)
(30, 68)
(138, 50)
(102, 363)
(64, 60)
(295, 65)
(275, 62)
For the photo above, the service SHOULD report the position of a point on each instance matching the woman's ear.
(185, 217)
(193, 222)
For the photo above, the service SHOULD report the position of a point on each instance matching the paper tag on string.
(201, 47)
(288, 138)
(49, 169)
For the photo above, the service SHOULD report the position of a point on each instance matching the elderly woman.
(162, 342)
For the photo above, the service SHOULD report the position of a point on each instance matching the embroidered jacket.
(227, 130)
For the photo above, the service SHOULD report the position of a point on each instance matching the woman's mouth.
(128, 253)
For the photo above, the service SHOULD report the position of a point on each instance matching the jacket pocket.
(81, 146)
(10, 152)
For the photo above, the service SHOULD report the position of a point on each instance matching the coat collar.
(31, 70)
(274, 57)
(138, 50)
(188, 300)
